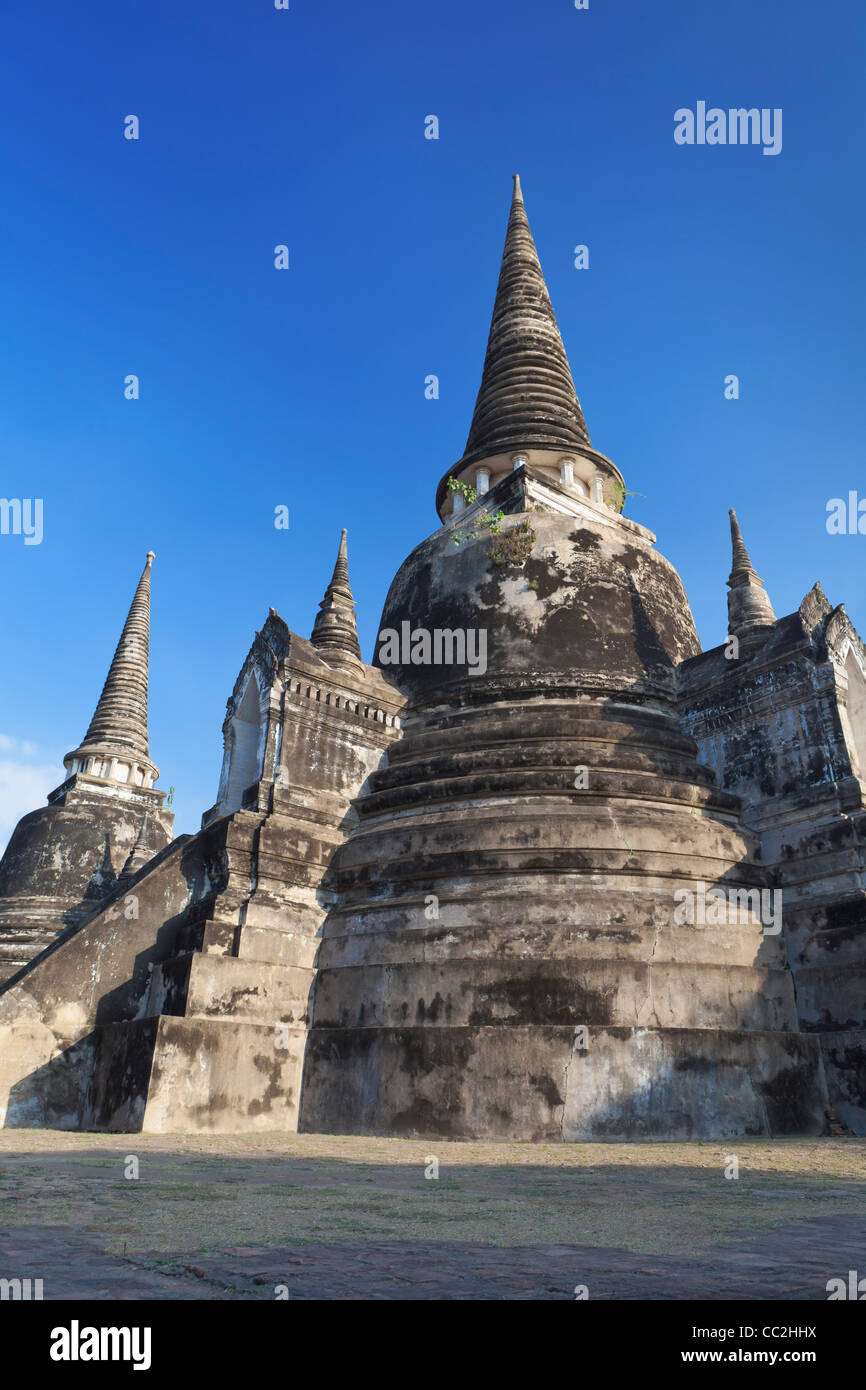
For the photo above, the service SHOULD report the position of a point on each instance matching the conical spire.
(742, 570)
(527, 397)
(749, 607)
(119, 723)
(335, 629)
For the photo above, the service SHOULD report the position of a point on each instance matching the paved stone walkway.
(791, 1262)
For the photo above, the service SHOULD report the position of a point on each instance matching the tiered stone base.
(519, 947)
(532, 1084)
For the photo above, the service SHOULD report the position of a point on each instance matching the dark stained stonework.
(456, 897)
(784, 727)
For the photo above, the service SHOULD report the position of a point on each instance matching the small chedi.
(544, 869)
(102, 824)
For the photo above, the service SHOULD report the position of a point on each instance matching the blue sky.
(306, 387)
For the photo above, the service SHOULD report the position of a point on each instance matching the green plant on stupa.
(482, 521)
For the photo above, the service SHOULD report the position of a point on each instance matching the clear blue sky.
(306, 387)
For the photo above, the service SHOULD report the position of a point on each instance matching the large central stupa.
(513, 952)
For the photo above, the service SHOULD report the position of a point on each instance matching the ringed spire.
(750, 611)
(527, 398)
(119, 722)
(335, 630)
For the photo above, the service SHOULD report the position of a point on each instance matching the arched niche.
(857, 711)
(246, 747)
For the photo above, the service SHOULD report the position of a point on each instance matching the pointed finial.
(119, 723)
(150, 557)
(517, 189)
(335, 630)
(340, 577)
(742, 569)
(750, 611)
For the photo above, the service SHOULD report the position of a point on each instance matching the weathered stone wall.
(66, 858)
(530, 1083)
(98, 974)
(775, 726)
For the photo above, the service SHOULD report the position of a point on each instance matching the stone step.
(517, 993)
(605, 787)
(402, 933)
(215, 985)
(196, 1076)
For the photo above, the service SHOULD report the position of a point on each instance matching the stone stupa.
(505, 957)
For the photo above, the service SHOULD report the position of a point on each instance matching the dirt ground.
(317, 1216)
